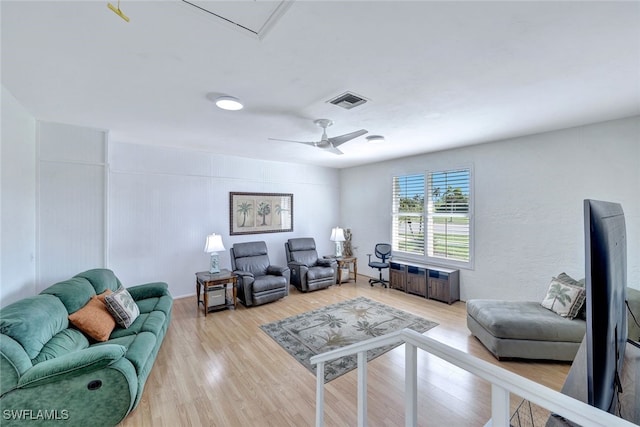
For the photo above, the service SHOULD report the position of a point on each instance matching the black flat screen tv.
(606, 293)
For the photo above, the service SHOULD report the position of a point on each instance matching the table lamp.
(337, 235)
(213, 246)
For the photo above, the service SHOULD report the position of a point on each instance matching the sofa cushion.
(524, 320)
(74, 293)
(251, 257)
(319, 273)
(65, 341)
(94, 320)
(101, 279)
(33, 321)
(147, 305)
(13, 363)
(564, 298)
(147, 322)
(308, 258)
(122, 307)
(141, 349)
(268, 283)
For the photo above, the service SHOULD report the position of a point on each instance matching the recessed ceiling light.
(375, 138)
(229, 103)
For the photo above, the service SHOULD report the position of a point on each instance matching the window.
(435, 228)
(408, 214)
(449, 215)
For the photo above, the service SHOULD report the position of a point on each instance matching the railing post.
(410, 385)
(499, 406)
(362, 389)
(320, 394)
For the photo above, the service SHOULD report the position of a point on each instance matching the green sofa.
(52, 374)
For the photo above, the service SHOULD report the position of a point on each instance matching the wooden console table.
(209, 281)
(431, 282)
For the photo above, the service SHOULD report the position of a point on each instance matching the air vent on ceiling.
(347, 100)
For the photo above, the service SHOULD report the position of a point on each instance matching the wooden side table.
(349, 262)
(208, 281)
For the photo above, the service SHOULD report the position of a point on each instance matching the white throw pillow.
(122, 307)
(563, 298)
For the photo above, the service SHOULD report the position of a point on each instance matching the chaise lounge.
(529, 330)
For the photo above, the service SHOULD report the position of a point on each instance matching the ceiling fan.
(326, 143)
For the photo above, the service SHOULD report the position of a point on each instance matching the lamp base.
(338, 249)
(215, 263)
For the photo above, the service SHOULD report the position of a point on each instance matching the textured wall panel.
(528, 204)
(163, 203)
(71, 220)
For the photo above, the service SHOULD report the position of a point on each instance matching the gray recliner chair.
(308, 272)
(259, 282)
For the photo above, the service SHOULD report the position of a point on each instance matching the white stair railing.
(502, 383)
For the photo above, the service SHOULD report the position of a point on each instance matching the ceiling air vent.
(347, 100)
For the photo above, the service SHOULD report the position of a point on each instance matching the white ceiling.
(437, 74)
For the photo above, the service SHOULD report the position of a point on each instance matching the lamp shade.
(214, 243)
(337, 235)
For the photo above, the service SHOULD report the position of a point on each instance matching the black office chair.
(383, 251)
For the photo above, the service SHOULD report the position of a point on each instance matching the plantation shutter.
(449, 215)
(408, 214)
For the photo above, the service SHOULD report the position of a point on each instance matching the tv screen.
(605, 287)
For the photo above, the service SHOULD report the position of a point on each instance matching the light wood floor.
(223, 370)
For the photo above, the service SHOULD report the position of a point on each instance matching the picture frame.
(255, 213)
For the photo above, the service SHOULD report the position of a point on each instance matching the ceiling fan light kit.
(229, 103)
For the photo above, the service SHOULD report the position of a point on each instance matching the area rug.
(339, 325)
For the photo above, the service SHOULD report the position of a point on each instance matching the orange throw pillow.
(103, 295)
(94, 320)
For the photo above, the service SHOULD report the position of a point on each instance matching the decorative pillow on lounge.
(121, 305)
(94, 320)
(103, 295)
(564, 298)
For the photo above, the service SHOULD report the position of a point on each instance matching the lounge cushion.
(74, 293)
(33, 321)
(146, 322)
(64, 342)
(163, 304)
(525, 320)
(101, 279)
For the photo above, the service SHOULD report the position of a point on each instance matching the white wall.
(17, 201)
(528, 204)
(71, 201)
(163, 202)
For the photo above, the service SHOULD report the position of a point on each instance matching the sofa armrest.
(71, 365)
(149, 290)
(243, 274)
(277, 270)
(326, 262)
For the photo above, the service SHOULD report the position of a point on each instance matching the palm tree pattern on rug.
(339, 325)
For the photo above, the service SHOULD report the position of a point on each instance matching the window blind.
(408, 214)
(449, 214)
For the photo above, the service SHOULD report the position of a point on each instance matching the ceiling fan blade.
(313, 144)
(333, 150)
(338, 140)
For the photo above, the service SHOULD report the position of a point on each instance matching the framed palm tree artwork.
(253, 213)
